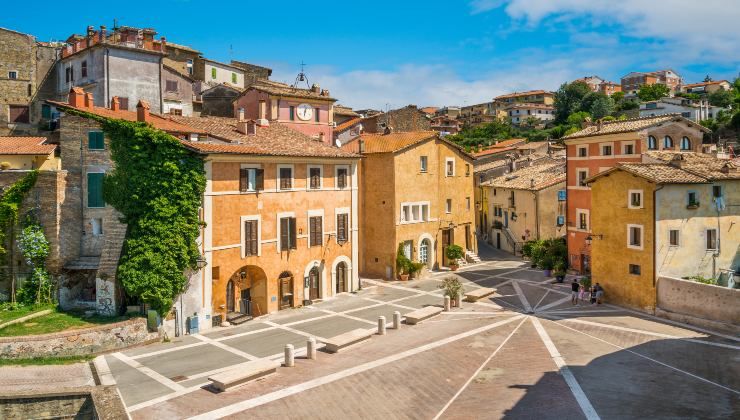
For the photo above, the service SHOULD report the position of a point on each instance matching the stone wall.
(16, 54)
(700, 304)
(100, 339)
(99, 402)
(409, 118)
(218, 101)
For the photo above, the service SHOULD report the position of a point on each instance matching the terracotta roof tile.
(273, 140)
(532, 178)
(699, 164)
(347, 124)
(527, 93)
(345, 110)
(713, 82)
(276, 88)
(25, 146)
(661, 173)
(157, 121)
(389, 143)
(626, 126)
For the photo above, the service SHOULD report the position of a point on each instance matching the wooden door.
(313, 284)
(498, 240)
(467, 237)
(341, 277)
(285, 285)
(230, 296)
(446, 241)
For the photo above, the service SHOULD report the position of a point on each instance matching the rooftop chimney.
(89, 101)
(142, 111)
(163, 43)
(248, 127)
(599, 124)
(315, 88)
(115, 104)
(321, 137)
(240, 114)
(76, 97)
(90, 35)
(262, 111)
(388, 130)
(586, 123)
(102, 33)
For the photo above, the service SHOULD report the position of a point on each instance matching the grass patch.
(8, 314)
(55, 322)
(66, 360)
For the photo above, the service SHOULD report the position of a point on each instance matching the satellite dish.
(338, 143)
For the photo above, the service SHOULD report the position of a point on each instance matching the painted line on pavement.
(354, 318)
(294, 331)
(225, 347)
(556, 303)
(298, 388)
(575, 310)
(149, 372)
(541, 299)
(167, 397)
(477, 371)
(575, 387)
(649, 358)
(522, 298)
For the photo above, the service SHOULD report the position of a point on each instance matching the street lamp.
(201, 262)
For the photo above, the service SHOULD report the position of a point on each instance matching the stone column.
(289, 356)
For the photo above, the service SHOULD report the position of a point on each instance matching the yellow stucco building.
(28, 153)
(416, 189)
(674, 213)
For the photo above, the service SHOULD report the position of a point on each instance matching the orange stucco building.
(280, 213)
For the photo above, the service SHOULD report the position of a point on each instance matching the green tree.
(617, 97)
(577, 118)
(653, 92)
(601, 106)
(722, 98)
(568, 99)
(532, 121)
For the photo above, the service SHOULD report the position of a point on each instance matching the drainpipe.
(536, 214)
(655, 243)
(106, 69)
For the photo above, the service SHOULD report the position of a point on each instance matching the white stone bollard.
(289, 356)
(311, 348)
(396, 320)
(459, 300)
(381, 325)
(447, 304)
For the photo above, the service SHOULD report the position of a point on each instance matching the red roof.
(25, 146)
(347, 124)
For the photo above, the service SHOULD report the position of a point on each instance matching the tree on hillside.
(576, 119)
(721, 98)
(568, 99)
(532, 121)
(653, 92)
(617, 97)
(602, 106)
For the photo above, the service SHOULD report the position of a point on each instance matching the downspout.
(536, 214)
(655, 245)
(106, 69)
(161, 100)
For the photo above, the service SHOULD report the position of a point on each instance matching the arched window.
(685, 143)
(424, 251)
(668, 142)
(652, 143)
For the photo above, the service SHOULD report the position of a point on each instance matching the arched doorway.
(341, 277)
(285, 288)
(230, 296)
(313, 284)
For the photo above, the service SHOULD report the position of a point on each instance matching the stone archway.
(428, 240)
(336, 287)
(250, 290)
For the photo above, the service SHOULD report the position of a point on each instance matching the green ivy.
(157, 185)
(35, 247)
(11, 202)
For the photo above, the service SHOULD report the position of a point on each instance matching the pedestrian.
(592, 294)
(599, 293)
(574, 292)
(581, 294)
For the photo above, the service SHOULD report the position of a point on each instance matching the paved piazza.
(523, 353)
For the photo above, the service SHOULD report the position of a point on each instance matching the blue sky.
(393, 53)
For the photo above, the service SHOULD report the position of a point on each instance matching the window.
(175, 111)
(582, 175)
(512, 200)
(716, 191)
(83, 69)
(233, 78)
(583, 221)
(685, 143)
(582, 151)
(292, 113)
(667, 142)
(629, 149)
(95, 140)
(123, 103)
(692, 199)
(606, 150)
(342, 228)
(171, 86)
(315, 231)
(18, 114)
(415, 212)
(285, 175)
(251, 179)
(68, 74)
(652, 143)
(189, 66)
(711, 238)
(96, 226)
(314, 177)
(342, 178)
(467, 203)
(673, 236)
(45, 111)
(317, 115)
(95, 190)
(251, 238)
(287, 234)
(635, 269)
(450, 165)
(12, 75)
(634, 236)
(423, 163)
(213, 72)
(686, 114)
(448, 206)
(467, 169)
(424, 251)
(635, 199)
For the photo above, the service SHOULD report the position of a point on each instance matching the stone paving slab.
(299, 315)
(221, 332)
(332, 327)
(267, 343)
(385, 293)
(172, 344)
(346, 303)
(134, 386)
(422, 301)
(372, 314)
(191, 361)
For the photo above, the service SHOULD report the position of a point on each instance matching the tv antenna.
(302, 77)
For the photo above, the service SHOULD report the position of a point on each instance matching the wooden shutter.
(284, 234)
(95, 190)
(250, 237)
(243, 179)
(18, 114)
(260, 179)
(341, 228)
(316, 236)
(342, 178)
(293, 241)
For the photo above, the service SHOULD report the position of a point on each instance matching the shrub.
(403, 263)
(452, 286)
(454, 252)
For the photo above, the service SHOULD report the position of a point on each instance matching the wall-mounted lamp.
(243, 275)
(591, 237)
(201, 262)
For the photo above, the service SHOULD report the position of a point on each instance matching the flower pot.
(560, 279)
(548, 273)
(453, 267)
(403, 277)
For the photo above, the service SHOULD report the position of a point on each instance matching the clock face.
(304, 112)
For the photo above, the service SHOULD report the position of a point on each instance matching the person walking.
(574, 292)
(599, 293)
(592, 294)
(581, 294)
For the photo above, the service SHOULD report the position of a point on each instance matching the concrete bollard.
(289, 356)
(381, 325)
(396, 320)
(459, 300)
(447, 304)
(311, 348)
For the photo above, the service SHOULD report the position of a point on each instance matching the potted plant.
(403, 264)
(547, 264)
(454, 253)
(415, 269)
(452, 287)
(559, 271)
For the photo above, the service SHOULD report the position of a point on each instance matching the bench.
(336, 343)
(421, 314)
(474, 295)
(246, 372)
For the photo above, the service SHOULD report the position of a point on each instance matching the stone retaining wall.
(80, 342)
(705, 305)
(102, 402)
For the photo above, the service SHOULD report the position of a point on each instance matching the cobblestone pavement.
(525, 352)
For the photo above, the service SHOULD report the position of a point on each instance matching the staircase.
(236, 318)
(472, 257)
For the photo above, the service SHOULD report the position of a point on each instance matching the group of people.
(581, 294)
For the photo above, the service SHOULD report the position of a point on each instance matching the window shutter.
(316, 232)
(260, 179)
(284, 234)
(342, 178)
(95, 190)
(341, 228)
(293, 241)
(250, 237)
(243, 179)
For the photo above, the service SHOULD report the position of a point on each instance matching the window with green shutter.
(45, 111)
(95, 189)
(233, 78)
(95, 140)
(213, 73)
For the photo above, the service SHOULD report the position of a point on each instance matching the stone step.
(236, 318)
